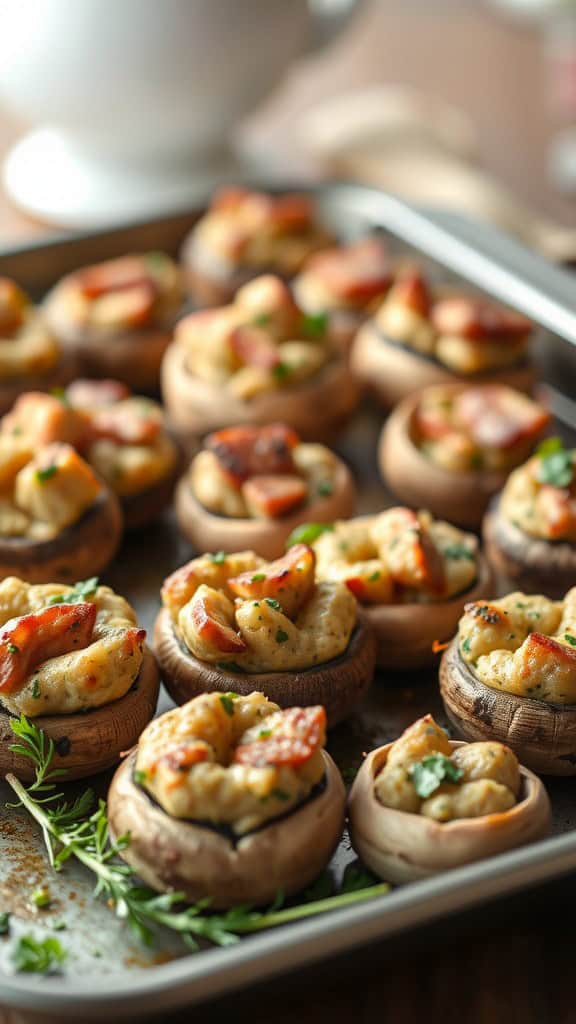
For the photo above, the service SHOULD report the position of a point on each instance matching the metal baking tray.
(130, 978)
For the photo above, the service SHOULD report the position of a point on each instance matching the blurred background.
(469, 103)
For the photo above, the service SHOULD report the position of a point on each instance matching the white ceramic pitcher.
(130, 100)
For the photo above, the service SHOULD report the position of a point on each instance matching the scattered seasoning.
(5, 922)
(273, 603)
(13, 649)
(374, 577)
(264, 734)
(60, 926)
(325, 488)
(570, 639)
(258, 577)
(281, 636)
(36, 689)
(429, 773)
(308, 533)
(465, 645)
(41, 897)
(218, 558)
(227, 702)
(46, 474)
(38, 957)
(139, 777)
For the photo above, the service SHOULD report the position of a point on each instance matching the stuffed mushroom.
(229, 798)
(233, 622)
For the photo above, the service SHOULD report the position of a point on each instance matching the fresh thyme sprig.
(72, 828)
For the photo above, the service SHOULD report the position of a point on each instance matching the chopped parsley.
(81, 592)
(46, 474)
(230, 666)
(556, 463)
(465, 645)
(315, 324)
(38, 957)
(264, 734)
(374, 577)
(36, 689)
(570, 639)
(258, 577)
(5, 922)
(13, 649)
(139, 777)
(281, 636)
(308, 533)
(41, 898)
(281, 371)
(325, 488)
(218, 558)
(459, 551)
(61, 395)
(261, 320)
(227, 702)
(429, 773)
(273, 603)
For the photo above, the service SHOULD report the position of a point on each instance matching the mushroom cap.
(403, 847)
(316, 408)
(405, 633)
(459, 497)
(81, 550)
(267, 537)
(393, 371)
(530, 564)
(542, 735)
(90, 742)
(339, 685)
(172, 854)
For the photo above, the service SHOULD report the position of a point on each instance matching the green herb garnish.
(315, 324)
(227, 702)
(325, 488)
(281, 371)
(273, 603)
(466, 645)
(308, 533)
(36, 689)
(73, 829)
(80, 592)
(429, 773)
(458, 552)
(570, 639)
(5, 922)
(356, 877)
(281, 636)
(258, 577)
(219, 557)
(41, 898)
(374, 577)
(139, 777)
(556, 463)
(262, 319)
(280, 794)
(60, 394)
(230, 666)
(45, 474)
(38, 957)
(12, 648)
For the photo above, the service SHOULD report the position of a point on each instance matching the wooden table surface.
(512, 961)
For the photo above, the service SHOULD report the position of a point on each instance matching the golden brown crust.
(267, 537)
(526, 563)
(316, 409)
(80, 551)
(92, 741)
(405, 633)
(461, 498)
(339, 685)
(202, 862)
(542, 735)
(402, 847)
(392, 371)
